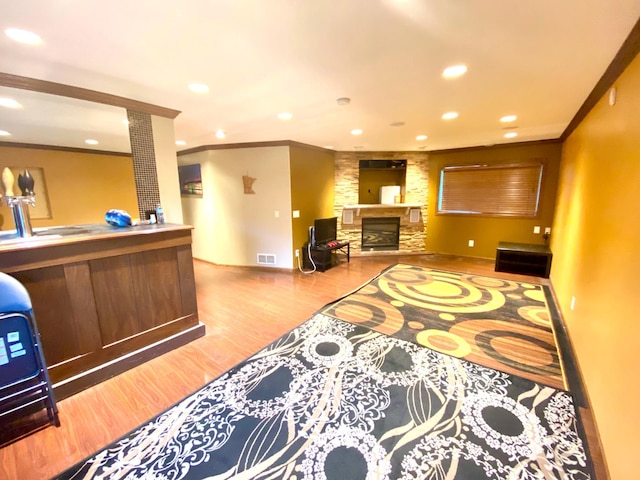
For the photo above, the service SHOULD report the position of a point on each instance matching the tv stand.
(325, 257)
(524, 258)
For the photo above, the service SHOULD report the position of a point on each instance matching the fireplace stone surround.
(346, 207)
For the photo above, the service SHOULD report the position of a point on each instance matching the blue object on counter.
(118, 218)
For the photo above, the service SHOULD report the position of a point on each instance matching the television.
(325, 230)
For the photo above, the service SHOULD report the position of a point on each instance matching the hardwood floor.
(244, 309)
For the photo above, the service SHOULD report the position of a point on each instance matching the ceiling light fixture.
(4, 133)
(198, 88)
(23, 36)
(343, 101)
(454, 71)
(510, 134)
(450, 115)
(90, 141)
(421, 137)
(9, 103)
(285, 116)
(220, 134)
(180, 142)
(508, 118)
(356, 131)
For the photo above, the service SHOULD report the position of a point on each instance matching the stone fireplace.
(412, 213)
(380, 233)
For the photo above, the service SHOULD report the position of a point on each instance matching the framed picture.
(42, 209)
(190, 180)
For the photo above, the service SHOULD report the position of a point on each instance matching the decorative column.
(144, 162)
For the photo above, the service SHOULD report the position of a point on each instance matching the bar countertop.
(67, 235)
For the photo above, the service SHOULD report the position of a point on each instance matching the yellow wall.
(312, 189)
(596, 245)
(451, 233)
(81, 186)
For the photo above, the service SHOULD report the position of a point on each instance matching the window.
(499, 190)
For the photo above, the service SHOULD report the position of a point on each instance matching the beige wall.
(312, 189)
(81, 186)
(596, 258)
(164, 147)
(451, 233)
(232, 227)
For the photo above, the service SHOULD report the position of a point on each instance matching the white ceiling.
(536, 59)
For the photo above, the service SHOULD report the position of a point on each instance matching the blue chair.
(24, 380)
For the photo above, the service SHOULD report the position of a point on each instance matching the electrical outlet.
(276, 214)
(296, 214)
(471, 243)
(547, 230)
(297, 252)
(536, 229)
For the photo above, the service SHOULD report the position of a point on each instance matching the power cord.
(310, 259)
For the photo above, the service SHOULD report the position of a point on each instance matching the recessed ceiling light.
(508, 118)
(285, 116)
(9, 103)
(454, 71)
(510, 134)
(4, 133)
(421, 137)
(198, 87)
(180, 142)
(356, 131)
(450, 115)
(23, 36)
(220, 134)
(91, 142)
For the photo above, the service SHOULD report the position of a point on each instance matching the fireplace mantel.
(407, 206)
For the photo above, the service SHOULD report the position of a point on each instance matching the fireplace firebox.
(380, 233)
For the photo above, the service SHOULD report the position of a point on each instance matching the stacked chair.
(25, 387)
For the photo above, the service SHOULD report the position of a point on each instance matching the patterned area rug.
(497, 323)
(334, 400)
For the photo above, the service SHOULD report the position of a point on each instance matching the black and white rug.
(333, 400)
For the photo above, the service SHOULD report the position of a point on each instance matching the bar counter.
(105, 298)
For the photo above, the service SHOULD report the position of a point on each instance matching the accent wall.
(81, 186)
(450, 234)
(312, 190)
(595, 241)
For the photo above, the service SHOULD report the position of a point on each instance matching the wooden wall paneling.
(187, 280)
(116, 301)
(157, 287)
(83, 305)
(47, 288)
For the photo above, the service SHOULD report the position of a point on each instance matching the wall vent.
(266, 259)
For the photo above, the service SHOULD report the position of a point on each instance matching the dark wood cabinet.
(524, 258)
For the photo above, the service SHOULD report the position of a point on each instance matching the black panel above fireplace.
(380, 233)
